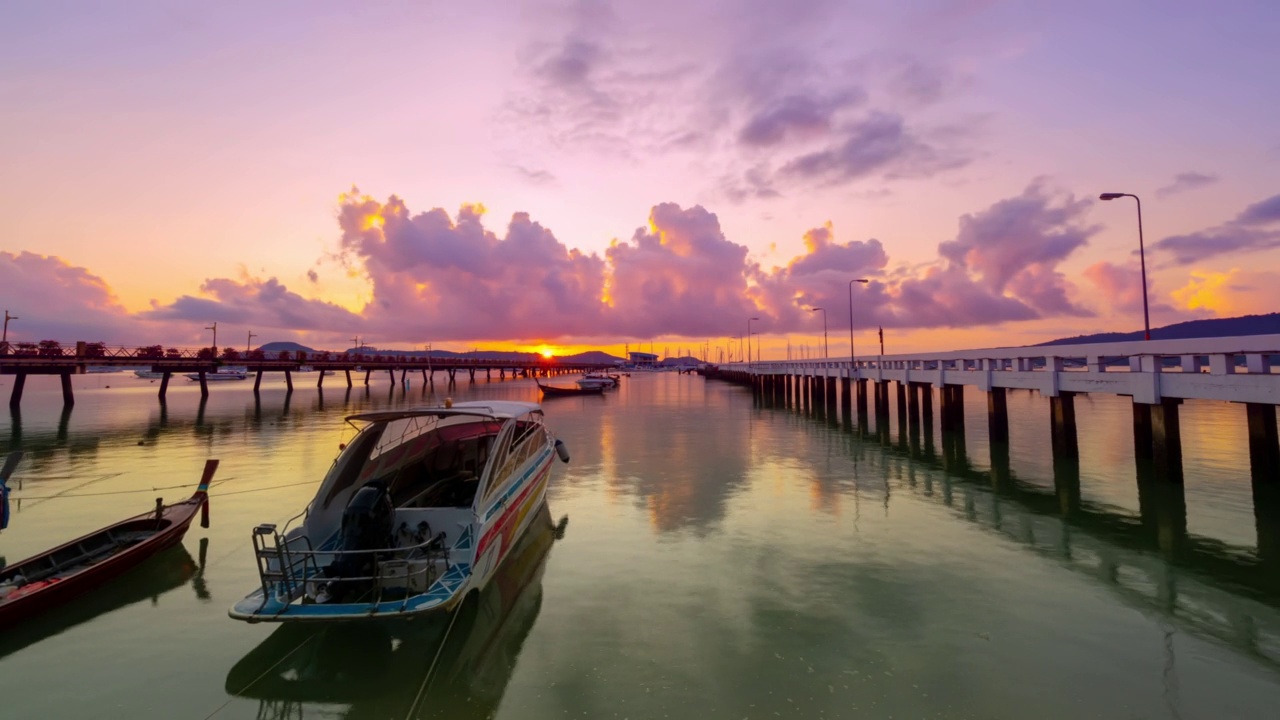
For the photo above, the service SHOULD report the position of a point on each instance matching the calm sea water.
(714, 559)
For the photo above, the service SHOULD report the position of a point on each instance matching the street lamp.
(214, 328)
(864, 281)
(825, 352)
(249, 343)
(7, 317)
(1142, 258)
(749, 340)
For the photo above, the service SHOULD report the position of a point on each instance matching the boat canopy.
(497, 409)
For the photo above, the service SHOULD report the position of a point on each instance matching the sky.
(556, 176)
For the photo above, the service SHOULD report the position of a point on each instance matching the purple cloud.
(796, 117)
(878, 144)
(1246, 232)
(1186, 181)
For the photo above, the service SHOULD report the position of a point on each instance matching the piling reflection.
(380, 669)
(167, 571)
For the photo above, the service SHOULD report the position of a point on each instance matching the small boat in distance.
(148, 374)
(563, 391)
(419, 509)
(222, 374)
(36, 584)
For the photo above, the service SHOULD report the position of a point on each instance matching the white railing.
(1233, 369)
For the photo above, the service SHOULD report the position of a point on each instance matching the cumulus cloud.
(1254, 228)
(264, 304)
(679, 276)
(1186, 181)
(1119, 287)
(437, 276)
(440, 277)
(55, 300)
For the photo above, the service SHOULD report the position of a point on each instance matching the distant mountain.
(591, 356)
(283, 346)
(1218, 327)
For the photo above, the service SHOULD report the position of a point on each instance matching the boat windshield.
(417, 458)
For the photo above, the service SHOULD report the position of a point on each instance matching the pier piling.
(19, 383)
(164, 385)
(288, 382)
(998, 415)
(1166, 440)
(348, 372)
(1062, 418)
(204, 386)
(68, 398)
(257, 382)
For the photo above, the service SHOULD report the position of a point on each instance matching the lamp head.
(861, 280)
(814, 309)
(1110, 196)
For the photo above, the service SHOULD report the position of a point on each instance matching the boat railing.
(287, 564)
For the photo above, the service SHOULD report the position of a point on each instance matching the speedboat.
(597, 380)
(417, 511)
(221, 374)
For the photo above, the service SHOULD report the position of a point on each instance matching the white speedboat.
(418, 509)
(220, 375)
(597, 380)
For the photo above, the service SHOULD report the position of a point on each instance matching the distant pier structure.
(1157, 375)
(53, 358)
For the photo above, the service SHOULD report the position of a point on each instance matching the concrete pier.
(1166, 440)
(998, 415)
(1062, 430)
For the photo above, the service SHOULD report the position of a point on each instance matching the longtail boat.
(36, 584)
(560, 390)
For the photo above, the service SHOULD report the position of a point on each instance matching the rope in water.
(426, 680)
(263, 674)
(166, 487)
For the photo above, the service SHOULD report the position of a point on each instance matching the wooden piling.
(164, 384)
(288, 382)
(367, 373)
(68, 398)
(204, 387)
(320, 380)
(19, 383)
(257, 381)
(348, 372)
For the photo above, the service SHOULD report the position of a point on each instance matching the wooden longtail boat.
(52, 578)
(558, 390)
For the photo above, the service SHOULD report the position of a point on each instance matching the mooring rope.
(426, 680)
(64, 495)
(263, 674)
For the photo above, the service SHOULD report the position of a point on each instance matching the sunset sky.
(587, 174)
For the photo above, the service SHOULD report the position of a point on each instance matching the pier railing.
(1234, 369)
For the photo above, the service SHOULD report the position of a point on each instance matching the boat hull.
(506, 520)
(178, 516)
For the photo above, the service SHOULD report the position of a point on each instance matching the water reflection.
(163, 573)
(379, 669)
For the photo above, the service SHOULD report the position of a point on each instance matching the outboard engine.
(367, 524)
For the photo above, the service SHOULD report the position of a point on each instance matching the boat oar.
(210, 467)
(10, 463)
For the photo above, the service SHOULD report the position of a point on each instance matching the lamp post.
(7, 317)
(1142, 259)
(749, 340)
(248, 344)
(825, 352)
(214, 328)
(864, 281)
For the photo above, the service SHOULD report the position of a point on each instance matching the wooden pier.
(54, 359)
